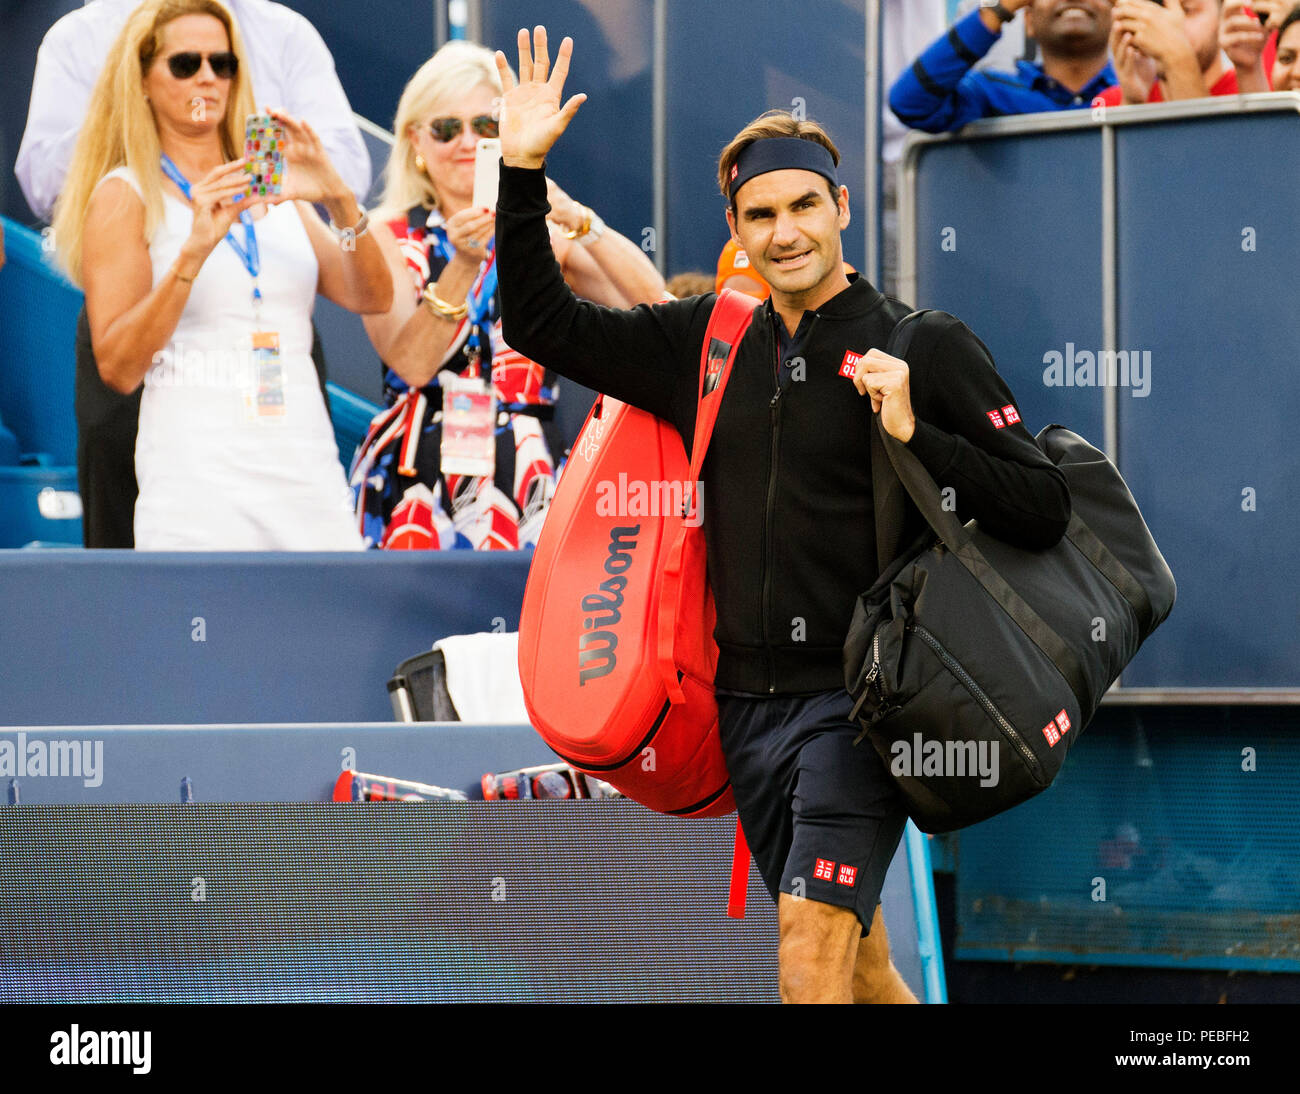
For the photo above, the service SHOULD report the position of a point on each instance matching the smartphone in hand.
(487, 172)
(264, 151)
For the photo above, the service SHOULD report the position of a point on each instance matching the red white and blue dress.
(402, 497)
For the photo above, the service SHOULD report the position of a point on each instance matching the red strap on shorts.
(739, 875)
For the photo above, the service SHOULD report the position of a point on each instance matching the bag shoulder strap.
(887, 487)
(732, 314)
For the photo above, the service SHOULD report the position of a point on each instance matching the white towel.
(483, 677)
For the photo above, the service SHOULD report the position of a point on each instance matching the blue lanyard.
(479, 304)
(248, 254)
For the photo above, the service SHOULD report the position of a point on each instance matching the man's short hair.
(775, 123)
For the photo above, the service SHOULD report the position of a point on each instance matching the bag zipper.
(869, 682)
(954, 666)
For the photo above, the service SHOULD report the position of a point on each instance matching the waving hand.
(532, 118)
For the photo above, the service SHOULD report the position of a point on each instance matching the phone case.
(264, 150)
(486, 172)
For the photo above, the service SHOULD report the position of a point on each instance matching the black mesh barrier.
(393, 902)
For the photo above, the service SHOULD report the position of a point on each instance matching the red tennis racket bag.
(616, 649)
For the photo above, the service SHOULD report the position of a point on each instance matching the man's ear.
(731, 223)
(843, 203)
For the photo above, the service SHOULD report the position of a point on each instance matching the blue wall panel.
(108, 636)
(1221, 327)
(604, 158)
(1023, 239)
(728, 63)
(265, 763)
(376, 49)
(1204, 268)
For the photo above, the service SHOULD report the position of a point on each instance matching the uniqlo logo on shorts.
(850, 364)
(1011, 414)
(1051, 733)
(996, 418)
(1063, 723)
(825, 870)
(848, 875)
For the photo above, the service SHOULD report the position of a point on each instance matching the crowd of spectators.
(437, 246)
(1094, 52)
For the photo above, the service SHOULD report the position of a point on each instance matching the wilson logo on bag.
(602, 610)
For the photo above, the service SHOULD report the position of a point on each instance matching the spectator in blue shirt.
(940, 93)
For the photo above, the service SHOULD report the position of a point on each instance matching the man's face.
(1070, 28)
(1202, 28)
(790, 226)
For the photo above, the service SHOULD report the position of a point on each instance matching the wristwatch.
(995, 6)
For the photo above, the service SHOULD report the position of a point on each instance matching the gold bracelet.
(451, 312)
(587, 214)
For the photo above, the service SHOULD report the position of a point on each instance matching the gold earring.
(419, 162)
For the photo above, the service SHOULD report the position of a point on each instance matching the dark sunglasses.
(184, 65)
(448, 129)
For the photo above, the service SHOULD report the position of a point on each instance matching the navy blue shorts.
(821, 815)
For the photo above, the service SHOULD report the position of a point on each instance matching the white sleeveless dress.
(213, 474)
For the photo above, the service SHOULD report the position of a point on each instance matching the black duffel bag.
(975, 664)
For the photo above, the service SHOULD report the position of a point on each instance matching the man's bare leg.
(875, 980)
(819, 950)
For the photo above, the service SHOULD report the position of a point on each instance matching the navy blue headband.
(781, 154)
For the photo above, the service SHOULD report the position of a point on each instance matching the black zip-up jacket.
(787, 496)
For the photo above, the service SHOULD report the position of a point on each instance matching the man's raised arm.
(642, 356)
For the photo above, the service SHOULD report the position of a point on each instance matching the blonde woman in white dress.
(235, 450)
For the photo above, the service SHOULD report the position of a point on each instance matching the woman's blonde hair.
(457, 68)
(120, 130)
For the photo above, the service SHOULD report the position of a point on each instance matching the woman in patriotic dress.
(442, 336)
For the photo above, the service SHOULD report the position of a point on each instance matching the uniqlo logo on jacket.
(848, 875)
(1011, 414)
(1063, 723)
(1051, 733)
(995, 417)
(849, 365)
(825, 870)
